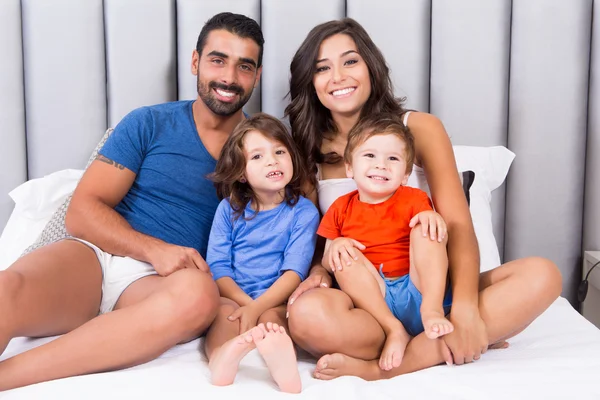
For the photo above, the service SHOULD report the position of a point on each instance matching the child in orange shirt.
(376, 228)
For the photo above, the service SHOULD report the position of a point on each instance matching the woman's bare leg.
(512, 296)
(324, 321)
(178, 308)
(50, 291)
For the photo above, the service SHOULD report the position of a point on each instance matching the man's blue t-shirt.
(171, 198)
(256, 252)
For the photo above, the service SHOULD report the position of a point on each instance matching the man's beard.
(216, 106)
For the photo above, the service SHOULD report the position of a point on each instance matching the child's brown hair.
(381, 124)
(231, 166)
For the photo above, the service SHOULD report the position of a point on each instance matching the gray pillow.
(55, 229)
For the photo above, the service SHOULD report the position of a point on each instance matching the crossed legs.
(325, 322)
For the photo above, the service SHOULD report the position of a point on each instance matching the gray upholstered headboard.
(497, 72)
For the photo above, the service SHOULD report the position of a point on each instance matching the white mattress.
(557, 357)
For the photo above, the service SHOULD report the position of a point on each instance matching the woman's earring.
(243, 180)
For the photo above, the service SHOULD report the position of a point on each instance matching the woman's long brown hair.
(309, 119)
(231, 166)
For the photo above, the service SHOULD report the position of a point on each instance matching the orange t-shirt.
(382, 228)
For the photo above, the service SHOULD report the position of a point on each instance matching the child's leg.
(366, 288)
(275, 315)
(428, 272)
(225, 345)
(277, 349)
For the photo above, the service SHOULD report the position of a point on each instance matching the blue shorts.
(404, 301)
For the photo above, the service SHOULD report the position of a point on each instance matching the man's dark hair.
(237, 24)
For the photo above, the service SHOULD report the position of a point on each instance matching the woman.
(338, 76)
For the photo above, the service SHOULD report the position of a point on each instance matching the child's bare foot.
(225, 360)
(435, 324)
(393, 351)
(277, 349)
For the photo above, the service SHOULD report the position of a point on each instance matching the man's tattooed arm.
(108, 161)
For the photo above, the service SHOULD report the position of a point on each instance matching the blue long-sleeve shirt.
(256, 252)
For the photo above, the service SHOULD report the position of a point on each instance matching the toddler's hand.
(342, 251)
(432, 223)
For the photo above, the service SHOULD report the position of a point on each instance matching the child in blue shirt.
(260, 248)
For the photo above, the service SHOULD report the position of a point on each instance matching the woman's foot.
(225, 360)
(435, 324)
(393, 350)
(333, 366)
(277, 349)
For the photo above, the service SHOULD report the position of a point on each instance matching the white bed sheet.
(557, 357)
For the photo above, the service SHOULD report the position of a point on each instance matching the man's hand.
(319, 277)
(469, 339)
(342, 251)
(167, 258)
(432, 224)
(247, 315)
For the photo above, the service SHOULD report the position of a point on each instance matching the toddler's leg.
(277, 349)
(225, 345)
(428, 272)
(366, 288)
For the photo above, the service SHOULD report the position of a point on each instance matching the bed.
(516, 83)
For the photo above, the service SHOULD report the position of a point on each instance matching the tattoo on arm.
(108, 161)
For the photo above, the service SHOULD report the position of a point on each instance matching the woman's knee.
(312, 316)
(193, 298)
(545, 275)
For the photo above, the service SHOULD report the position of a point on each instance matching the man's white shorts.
(117, 274)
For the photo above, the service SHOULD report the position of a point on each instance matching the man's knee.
(11, 283)
(194, 298)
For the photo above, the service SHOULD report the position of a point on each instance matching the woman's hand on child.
(432, 223)
(247, 315)
(168, 258)
(318, 278)
(343, 251)
(469, 340)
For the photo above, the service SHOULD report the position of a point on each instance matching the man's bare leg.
(50, 291)
(534, 283)
(178, 308)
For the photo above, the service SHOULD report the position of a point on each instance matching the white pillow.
(35, 203)
(490, 165)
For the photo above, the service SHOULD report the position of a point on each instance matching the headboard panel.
(496, 72)
(591, 216)
(547, 130)
(141, 62)
(12, 106)
(65, 81)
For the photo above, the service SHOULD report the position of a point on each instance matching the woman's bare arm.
(434, 153)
